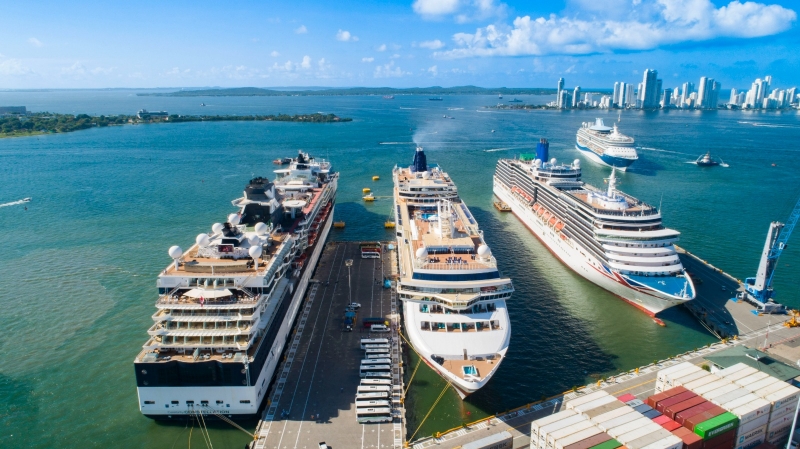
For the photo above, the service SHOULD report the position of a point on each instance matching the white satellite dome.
(175, 252)
(202, 240)
(537, 163)
(253, 240)
(234, 219)
(553, 161)
(255, 252)
(261, 228)
(484, 251)
(217, 228)
(576, 163)
(422, 252)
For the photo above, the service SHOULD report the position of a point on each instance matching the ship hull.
(605, 159)
(647, 300)
(241, 402)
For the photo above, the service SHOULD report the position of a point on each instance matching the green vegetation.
(45, 122)
(435, 90)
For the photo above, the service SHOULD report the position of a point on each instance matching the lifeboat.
(553, 220)
(546, 216)
(536, 207)
(559, 225)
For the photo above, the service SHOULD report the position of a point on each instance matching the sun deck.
(194, 261)
(478, 369)
(635, 207)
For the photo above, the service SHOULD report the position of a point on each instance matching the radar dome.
(253, 240)
(553, 161)
(537, 163)
(255, 252)
(217, 228)
(234, 219)
(261, 228)
(576, 163)
(202, 240)
(484, 251)
(422, 252)
(175, 252)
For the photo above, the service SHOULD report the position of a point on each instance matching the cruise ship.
(227, 304)
(454, 298)
(606, 145)
(606, 236)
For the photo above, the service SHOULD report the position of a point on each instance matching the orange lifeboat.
(553, 220)
(559, 225)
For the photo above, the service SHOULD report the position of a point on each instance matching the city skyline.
(399, 43)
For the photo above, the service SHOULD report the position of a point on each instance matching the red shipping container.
(689, 412)
(661, 419)
(721, 439)
(671, 425)
(766, 445)
(674, 409)
(661, 405)
(626, 397)
(654, 399)
(726, 445)
(689, 438)
(692, 421)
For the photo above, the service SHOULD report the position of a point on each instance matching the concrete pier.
(313, 397)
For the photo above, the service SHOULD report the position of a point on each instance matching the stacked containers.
(568, 430)
(666, 376)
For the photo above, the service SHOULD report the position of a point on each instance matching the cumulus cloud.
(14, 67)
(35, 42)
(433, 70)
(389, 71)
(650, 24)
(345, 36)
(274, 54)
(432, 45)
(381, 47)
(370, 59)
(462, 10)
(306, 64)
(75, 69)
(301, 30)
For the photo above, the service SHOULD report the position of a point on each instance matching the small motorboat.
(706, 161)
(277, 162)
(26, 200)
(369, 197)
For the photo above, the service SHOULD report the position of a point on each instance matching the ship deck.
(194, 263)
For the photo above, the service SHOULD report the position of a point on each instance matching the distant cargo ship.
(606, 236)
(606, 145)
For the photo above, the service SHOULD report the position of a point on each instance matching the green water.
(79, 265)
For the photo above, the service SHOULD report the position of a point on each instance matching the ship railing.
(466, 265)
(210, 252)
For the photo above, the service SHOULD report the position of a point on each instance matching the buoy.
(338, 224)
(365, 190)
(375, 178)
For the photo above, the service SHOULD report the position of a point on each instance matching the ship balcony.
(235, 299)
(189, 343)
(637, 250)
(470, 326)
(169, 315)
(648, 260)
(637, 269)
(196, 330)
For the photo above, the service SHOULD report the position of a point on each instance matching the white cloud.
(75, 69)
(435, 7)
(433, 70)
(463, 10)
(382, 47)
(35, 42)
(306, 64)
(432, 45)
(274, 54)
(389, 71)
(345, 36)
(322, 64)
(14, 67)
(651, 23)
(108, 70)
(395, 56)
(301, 30)
(370, 59)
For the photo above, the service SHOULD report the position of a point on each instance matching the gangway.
(758, 290)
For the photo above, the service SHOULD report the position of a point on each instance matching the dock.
(732, 321)
(312, 399)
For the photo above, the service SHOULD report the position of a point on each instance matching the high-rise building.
(616, 97)
(734, 98)
(686, 92)
(630, 97)
(713, 98)
(564, 99)
(791, 96)
(702, 92)
(588, 98)
(576, 96)
(666, 98)
(649, 90)
(560, 88)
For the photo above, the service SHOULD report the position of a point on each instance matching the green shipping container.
(716, 425)
(610, 444)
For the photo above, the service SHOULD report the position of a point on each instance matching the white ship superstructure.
(606, 236)
(606, 145)
(454, 298)
(227, 304)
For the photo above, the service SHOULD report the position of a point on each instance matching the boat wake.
(661, 151)
(767, 125)
(16, 203)
(407, 108)
(455, 109)
(396, 143)
(496, 149)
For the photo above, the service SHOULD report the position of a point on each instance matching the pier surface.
(313, 397)
(715, 310)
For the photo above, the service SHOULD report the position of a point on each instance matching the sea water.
(79, 262)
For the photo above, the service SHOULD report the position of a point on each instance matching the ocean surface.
(80, 260)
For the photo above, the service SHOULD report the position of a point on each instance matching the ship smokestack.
(543, 150)
(420, 163)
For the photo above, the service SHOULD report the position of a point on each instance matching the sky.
(396, 43)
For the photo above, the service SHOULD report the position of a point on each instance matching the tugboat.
(706, 161)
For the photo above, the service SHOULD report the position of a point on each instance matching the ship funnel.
(420, 163)
(543, 150)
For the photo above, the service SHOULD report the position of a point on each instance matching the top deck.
(222, 258)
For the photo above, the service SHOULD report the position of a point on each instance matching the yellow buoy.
(365, 190)
(375, 178)
(388, 225)
(369, 197)
(338, 224)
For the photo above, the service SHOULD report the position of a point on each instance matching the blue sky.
(489, 43)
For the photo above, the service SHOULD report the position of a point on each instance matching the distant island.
(388, 91)
(19, 125)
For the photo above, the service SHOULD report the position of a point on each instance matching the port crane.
(759, 289)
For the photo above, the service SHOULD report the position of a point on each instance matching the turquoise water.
(79, 265)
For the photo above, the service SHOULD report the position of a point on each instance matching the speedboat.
(706, 161)
(26, 200)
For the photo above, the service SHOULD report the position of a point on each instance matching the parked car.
(354, 305)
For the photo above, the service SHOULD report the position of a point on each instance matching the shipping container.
(750, 411)
(642, 408)
(652, 400)
(674, 409)
(754, 424)
(545, 430)
(727, 397)
(780, 422)
(651, 414)
(738, 402)
(784, 397)
(694, 385)
(628, 427)
(576, 437)
(678, 382)
(741, 374)
(603, 409)
(634, 403)
(586, 398)
(629, 437)
(618, 421)
(663, 373)
(601, 437)
(670, 442)
(626, 397)
(711, 386)
(556, 435)
(716, 426)
(689, 438)
(610, 444)
(764, 384)
(721, 391)
(624, 410)
(594, 404)
(683, 415)
(692, 421)
(755, 377)
(670, 378)
(661, 419)
(731, 370)
(502, 440)
(780, 411)
(778, 435)
(646, 440)
(662, 405)
(727, 439)
(539, 423)
(670, 425)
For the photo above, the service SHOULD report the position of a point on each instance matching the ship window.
(149, 402)
(189, 402)
(219, 402)
(244, 402)
(174, 402)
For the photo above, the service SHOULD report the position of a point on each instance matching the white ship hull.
(239, 401)
(648, 300)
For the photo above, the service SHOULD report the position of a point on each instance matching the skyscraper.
(650, 89)
(616, 97)
(630, 98)
(560, 87)
(686, 92)
(734, 98)
(666, 98)
(705, 93)
(576, 96)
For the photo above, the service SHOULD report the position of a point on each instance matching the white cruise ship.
(454, 298)
(227, 304)
(606, 145)
(606, 236)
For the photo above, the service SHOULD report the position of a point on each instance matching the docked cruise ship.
(606, 145)
(454, 298)
(606, 236)
(226, 305)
